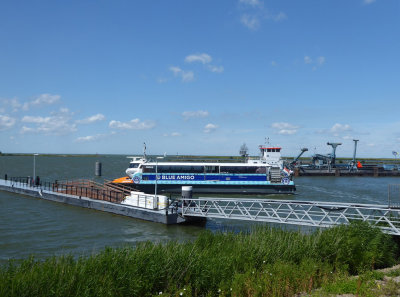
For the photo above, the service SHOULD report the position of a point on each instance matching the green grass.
(263, 262)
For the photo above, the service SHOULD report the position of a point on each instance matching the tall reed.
(262, 262)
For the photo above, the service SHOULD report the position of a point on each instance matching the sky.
(199, 77)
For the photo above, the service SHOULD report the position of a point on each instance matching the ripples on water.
(33, 226)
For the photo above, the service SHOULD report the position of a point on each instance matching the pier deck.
(74, 195)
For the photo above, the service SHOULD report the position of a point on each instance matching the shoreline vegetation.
(264, 261)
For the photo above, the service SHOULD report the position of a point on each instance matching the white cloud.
(216, 69)
(320, 60)
(250, 21)
(134, 124)
(92, 119)
(340, 128)
(176, 70)
(202, 58)
(38, 100)
(307, 60)
(36, 120)
(185, 75)
(46, 99)
(162, 80)
(58, 123)
(255, 13)
(210, 128)
(173, 134)
(284, 128)
(317, 62)
(13, 103)
(279, 17)
(41, 100)
(89, 138)
(6, 122)
(195, 114)
(253, 3)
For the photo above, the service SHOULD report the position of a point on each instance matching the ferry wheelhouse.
(265, 175)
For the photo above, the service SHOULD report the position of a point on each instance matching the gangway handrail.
(304, 213)
(339, 204)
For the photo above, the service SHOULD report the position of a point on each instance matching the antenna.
(266, 140)
(144, 150)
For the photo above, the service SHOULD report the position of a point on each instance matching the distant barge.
(375, 172)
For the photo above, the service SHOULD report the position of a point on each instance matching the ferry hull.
(219, 189)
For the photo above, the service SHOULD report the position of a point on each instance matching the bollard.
(97, 171)
(187, 194)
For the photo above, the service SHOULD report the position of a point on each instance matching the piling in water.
(97, 170)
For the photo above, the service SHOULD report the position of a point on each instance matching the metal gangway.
(303, 213)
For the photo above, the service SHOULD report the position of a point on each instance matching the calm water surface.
(42, 228)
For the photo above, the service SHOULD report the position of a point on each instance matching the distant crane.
(292, 164)
(328, 159)
(353, 162)
(244, 151)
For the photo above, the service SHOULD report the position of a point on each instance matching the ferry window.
(225, 169)
(278, 150)
(176, 169)
(162, 168)
(133, 165)
(247, 169)
(197, 169)
(261, 170)
(211, 169)
(269, 150)
(239, 169)
(149, 169)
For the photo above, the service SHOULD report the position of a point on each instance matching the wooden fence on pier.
(91, 189)
(108, 191)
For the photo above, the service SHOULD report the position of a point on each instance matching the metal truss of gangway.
(304, 213)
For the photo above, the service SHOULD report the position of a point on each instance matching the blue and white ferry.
(265, 175)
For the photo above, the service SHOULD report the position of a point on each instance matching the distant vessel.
(265, 175)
